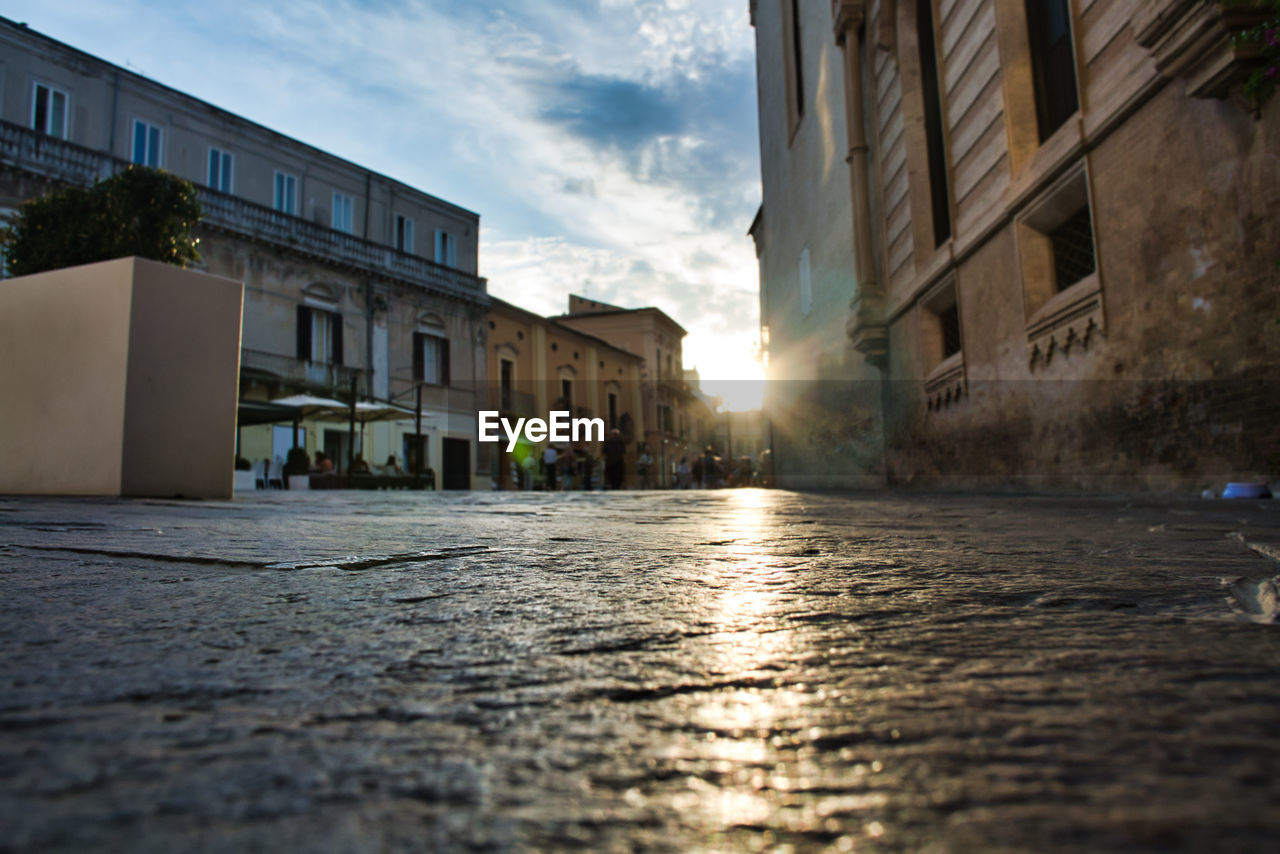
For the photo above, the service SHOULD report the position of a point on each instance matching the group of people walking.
(575, 467)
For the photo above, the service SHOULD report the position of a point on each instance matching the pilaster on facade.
(866, 325)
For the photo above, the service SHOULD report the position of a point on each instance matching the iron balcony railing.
(67, 162)
(318, 376)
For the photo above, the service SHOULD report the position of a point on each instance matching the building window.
(1053, 63)
(505, 372)
(794, 64)
(342, 210)
(940, 321)
(319, 335)
(935, 139)
(285, 195)
(949, 321)
(446, 249)
(49, 110)
(806, 283)
(1073, 257)
(221, 168)
(404, 233)
(1055, 242)
(148, 141)
(566, 392)
(430, 358)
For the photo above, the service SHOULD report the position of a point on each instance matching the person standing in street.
(644, 467)
(615, 467)
(549, 457)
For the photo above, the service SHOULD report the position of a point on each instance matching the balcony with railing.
(59, 160)
(320, 377)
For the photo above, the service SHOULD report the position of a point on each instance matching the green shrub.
(139, 211)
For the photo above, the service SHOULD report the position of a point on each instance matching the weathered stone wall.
(1181, 390)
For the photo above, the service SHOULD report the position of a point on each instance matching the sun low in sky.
(609, 146)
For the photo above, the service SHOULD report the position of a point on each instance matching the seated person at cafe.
(359, 466)
(392, 468)
(324, 465)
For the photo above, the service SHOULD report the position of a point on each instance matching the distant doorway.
(336, 443)
(456, 462)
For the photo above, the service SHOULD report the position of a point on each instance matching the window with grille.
(1073, 257)
(940, 325)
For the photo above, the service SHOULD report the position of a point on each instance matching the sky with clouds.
(609, 146)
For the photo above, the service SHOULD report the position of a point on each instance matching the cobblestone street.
(732, 670)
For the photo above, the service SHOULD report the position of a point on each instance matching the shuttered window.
(430, 358)
(319, 336)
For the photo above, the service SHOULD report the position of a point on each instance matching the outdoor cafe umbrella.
(329, 409)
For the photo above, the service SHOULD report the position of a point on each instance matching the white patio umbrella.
(312, 406)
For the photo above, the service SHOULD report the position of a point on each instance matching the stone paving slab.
(732, 670)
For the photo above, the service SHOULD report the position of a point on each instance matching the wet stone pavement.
(696, 671)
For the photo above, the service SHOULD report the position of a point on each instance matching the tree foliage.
(140, 211)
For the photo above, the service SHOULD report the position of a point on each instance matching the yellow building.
(537, 364)
(665, 423)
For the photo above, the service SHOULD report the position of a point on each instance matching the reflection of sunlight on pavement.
(741, 722)
(758, 773)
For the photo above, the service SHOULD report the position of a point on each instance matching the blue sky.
(609, 146)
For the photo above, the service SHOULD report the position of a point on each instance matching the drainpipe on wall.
(111, 132)
(865, 326)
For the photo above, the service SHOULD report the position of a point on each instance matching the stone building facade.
(1063, 241)
(664, 419)
(353, 280)
(536, 365)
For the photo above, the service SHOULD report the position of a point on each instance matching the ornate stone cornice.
(847, 16)
(1194, 40)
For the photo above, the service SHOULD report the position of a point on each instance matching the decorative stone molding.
(1068, 322)
(1195, 40)
(847, 16)
(946, 384)
(866, 328)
